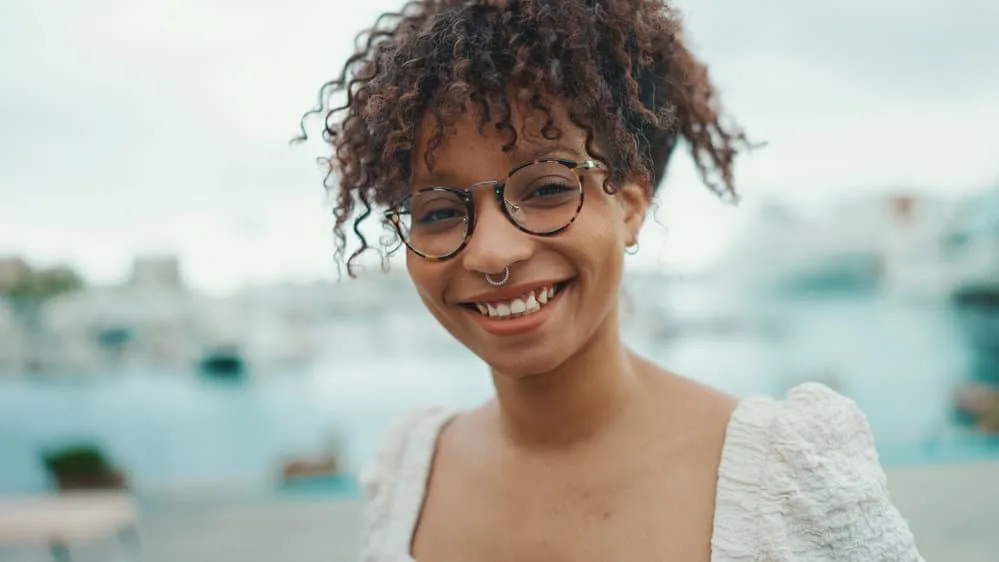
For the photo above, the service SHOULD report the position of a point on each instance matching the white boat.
(971, 259)
(785, 252)
(891, 244)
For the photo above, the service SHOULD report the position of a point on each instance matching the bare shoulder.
(464, 438)
(711, 402)
(695, 404)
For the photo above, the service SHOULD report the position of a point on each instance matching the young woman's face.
(564, 286)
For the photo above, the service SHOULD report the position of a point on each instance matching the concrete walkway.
(953, 511)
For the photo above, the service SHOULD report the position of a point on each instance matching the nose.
(495, 243)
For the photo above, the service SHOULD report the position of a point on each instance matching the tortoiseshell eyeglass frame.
(393, 214)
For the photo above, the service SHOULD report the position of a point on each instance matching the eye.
(432, 208)
(551, 189)
(435, 215)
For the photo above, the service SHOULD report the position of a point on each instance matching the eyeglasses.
(541, 197)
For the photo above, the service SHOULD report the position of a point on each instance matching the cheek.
(421, 272)
(430, 280)
(603, 225)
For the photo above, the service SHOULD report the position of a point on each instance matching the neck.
(573, 403)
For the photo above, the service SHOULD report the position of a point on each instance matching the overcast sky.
(135, 127)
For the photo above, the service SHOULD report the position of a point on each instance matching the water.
(901, 363)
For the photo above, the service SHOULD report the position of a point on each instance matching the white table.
(58, 521)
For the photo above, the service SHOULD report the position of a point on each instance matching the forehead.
(468, 153)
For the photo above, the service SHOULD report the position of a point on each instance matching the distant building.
(13, 272)
(156, 271)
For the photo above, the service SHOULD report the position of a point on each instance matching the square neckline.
(431, 428)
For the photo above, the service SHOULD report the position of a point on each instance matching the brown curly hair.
(619, 68)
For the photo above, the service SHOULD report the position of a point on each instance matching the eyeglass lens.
(540, 198)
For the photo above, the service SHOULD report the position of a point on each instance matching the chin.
(518, 357)
(545, 355)
(526, 364)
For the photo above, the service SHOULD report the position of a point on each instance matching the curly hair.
(619, 68)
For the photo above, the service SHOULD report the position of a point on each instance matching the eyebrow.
(445, 176)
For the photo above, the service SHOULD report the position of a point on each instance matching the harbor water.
(901, 362)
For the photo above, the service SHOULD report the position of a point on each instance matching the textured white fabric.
(799, 480)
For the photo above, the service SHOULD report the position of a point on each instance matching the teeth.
(526, 304)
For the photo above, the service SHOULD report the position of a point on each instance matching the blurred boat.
(784, 252)
(977, 313)
(971, 259)
(320, 473)
(892, 244)
(308, 469)
(223, 363)
(912, 248)
(979, 405)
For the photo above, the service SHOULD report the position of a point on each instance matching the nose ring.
(498, 282)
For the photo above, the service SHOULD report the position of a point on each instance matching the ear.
(635, 203)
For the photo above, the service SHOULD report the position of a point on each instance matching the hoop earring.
(632, 249)
(500, 282)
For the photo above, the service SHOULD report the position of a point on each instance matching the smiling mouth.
(523, 305)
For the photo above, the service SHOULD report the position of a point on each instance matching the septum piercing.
(499, 282)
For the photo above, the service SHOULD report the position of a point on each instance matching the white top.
(799, 479)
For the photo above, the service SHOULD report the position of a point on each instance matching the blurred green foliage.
(80, 459)
(42, 284)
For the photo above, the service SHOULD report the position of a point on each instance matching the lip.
(511, 292)
(507, 327)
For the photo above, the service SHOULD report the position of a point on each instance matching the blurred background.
(172, 326)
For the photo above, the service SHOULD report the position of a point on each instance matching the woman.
(514, 147)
